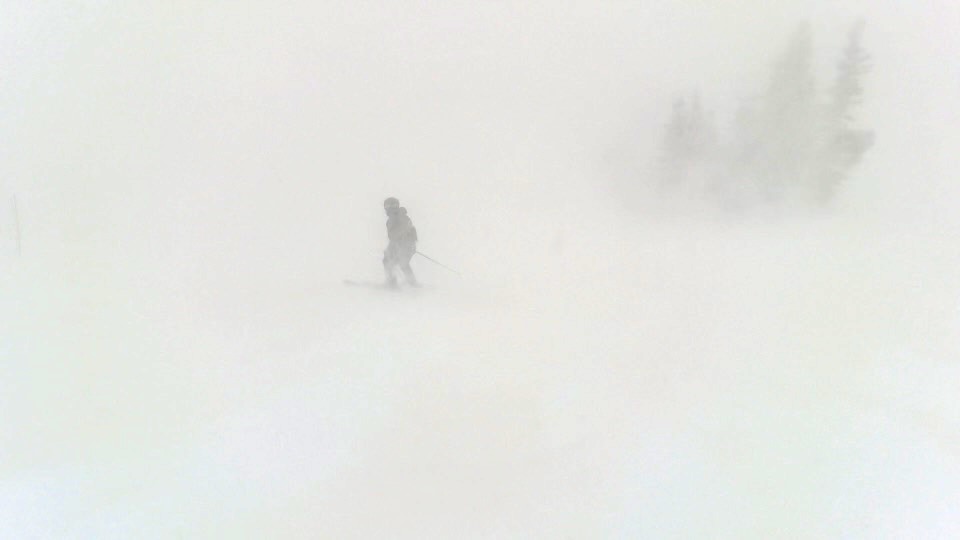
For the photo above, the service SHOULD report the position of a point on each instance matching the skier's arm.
(410, 232)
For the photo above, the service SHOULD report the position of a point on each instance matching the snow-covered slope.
(680, 381)
(180, 358)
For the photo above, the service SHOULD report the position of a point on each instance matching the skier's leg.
(389, 263)
(405, 266)
(408, 273)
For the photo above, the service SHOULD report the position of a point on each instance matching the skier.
(403, 243)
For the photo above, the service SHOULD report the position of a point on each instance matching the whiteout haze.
(196, 179)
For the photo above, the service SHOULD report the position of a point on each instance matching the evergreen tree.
(786, 125)
(688, 140)
(775, 132)
(673, 154)
(844, 144)
(739, 176)
(789, 144)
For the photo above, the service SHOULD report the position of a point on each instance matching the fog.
(193, 182)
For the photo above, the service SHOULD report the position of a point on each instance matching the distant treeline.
(788, 144)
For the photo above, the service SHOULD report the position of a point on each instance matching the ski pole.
(438, 263)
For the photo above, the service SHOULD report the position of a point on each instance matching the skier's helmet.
(391, 203)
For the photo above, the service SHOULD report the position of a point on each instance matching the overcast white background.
(179, 357)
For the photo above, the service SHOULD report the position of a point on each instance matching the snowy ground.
(721, 380)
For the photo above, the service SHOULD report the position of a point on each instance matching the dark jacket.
(400, 228)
